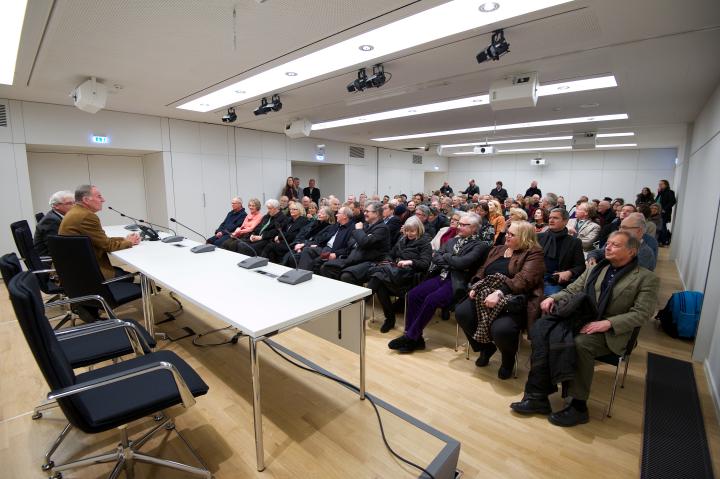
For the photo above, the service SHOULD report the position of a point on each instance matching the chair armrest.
(46, 259)
(137, 340)
(186, 396)
(42, 271)
(120, 278)
(82, 299)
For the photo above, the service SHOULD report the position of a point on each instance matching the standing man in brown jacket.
(82, 220)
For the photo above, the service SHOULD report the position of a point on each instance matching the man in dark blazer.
(60, 204)
(392, 221)
(625, 296)
(333, 245)
(564, 258)
(234, 219)
(369, 242)
(312, 192)
(471, 190)
(499, 192)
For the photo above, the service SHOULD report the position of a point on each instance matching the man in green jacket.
(625, 295)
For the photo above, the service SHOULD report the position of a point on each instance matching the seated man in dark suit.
(335, 243)
(312, 192)
(369, 242)
(564, 258)
(392, 221)
(233, 220)
(625, 296)
(60, 204)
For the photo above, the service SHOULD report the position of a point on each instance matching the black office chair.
(109, 397)
(76, 264)
(38, 216)
(617, 361)
(34, 262)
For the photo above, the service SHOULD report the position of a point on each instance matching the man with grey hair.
(82, 220)
(369, 242)
(622, 296)
(233, 220)
(336, 246)
(60, 204)
(634, 225)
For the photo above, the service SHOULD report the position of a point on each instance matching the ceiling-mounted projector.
(298, 128)
(515, 91)
(90, 96)
(538, 161)
(484, 150)
(584, 141)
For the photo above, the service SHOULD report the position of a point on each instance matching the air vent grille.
(3, 116)
(357, 152)
(417, 159)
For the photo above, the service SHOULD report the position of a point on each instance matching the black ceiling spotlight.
(376, 80)
(359, 84)
(266, 107)
(230, 116)
(498, 47)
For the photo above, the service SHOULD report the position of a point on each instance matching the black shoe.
(387, 325)
(412, 345)
(505, 372)
(486, 351)
(532, 404)
(397, 342)
(569, 417)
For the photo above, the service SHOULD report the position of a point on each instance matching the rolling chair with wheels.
(109, 397)
(617, 361)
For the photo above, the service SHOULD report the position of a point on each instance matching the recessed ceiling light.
(408, 32)
(366, 48)
(13, 15)
(291, 74)
(572, 86)
(510, 126)
(563, 87)
(617, 145)
(436, 167)
(488, 7)
(239, 92)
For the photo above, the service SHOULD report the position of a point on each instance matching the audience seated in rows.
(583, 227)
(233, 220)
(634, 225)
(277, 247)
(334, 243)
(264, 232)
(564, 258)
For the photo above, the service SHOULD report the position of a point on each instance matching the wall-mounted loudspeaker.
(90, 96)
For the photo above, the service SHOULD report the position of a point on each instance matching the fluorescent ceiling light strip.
(551, 89)
(438, 22)
(12, 13)
(520, 150)
(504, 142)
(511, 126)
(577, 85)
(617, 145)
(403, 112)
(612, 135)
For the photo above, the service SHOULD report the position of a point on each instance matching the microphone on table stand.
(253, 261)
(170, 239)
(297, 275)
(133, 227)
(202, 248)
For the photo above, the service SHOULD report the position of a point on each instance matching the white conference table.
(257, 304)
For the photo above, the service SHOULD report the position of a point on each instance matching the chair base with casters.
(618, 361)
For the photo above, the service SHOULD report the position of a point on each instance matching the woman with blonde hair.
(504, 297)
(496, 217)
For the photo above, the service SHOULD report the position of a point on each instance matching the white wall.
(119, 178)
(614, 173)
(398, 174)
(305, 172)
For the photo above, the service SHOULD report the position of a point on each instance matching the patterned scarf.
(485, 315)
(456, 251)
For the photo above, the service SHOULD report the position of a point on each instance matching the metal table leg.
(147, 290)
(257, 407)
(362, 348)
